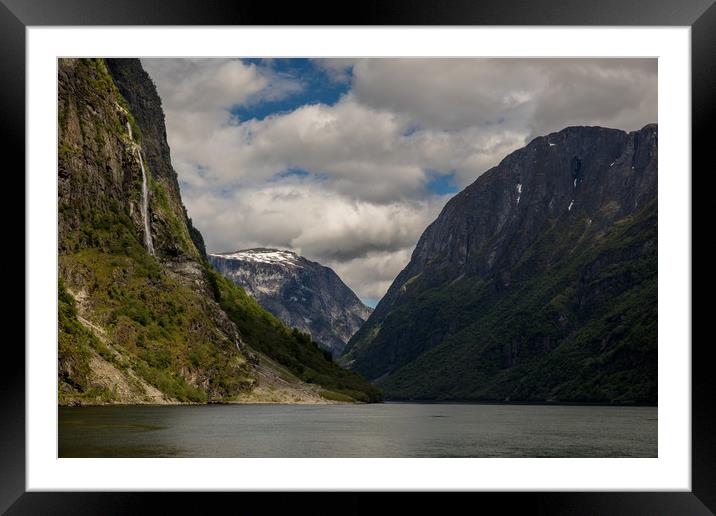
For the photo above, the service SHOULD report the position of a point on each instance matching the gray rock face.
(605, 173)
(518, 274)
(303, 294)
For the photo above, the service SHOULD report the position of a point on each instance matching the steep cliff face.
(143, 318)
(536, 282)
(301, 293)
(135, 85)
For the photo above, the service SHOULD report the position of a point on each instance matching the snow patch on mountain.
(262, 256)
(302, 293)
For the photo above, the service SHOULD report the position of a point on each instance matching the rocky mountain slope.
(143, 317)
(536, 282)
(301, 293)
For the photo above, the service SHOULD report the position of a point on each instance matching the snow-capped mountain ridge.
(302, 293)
(262, 255)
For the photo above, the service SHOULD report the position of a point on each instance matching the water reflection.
(387, 430)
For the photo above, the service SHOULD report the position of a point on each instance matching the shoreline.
(180, 403)
(542, 403)
(386, 402)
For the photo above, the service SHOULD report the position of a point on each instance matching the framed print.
(417, 248)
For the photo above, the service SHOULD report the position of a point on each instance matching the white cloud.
(364, 202)
(535, 95)
(366, 243)
(337, 69)
(204, 85)
(374, 272)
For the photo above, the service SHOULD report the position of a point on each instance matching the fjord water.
(383, 430)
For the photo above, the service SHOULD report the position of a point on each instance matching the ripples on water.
(384, 430)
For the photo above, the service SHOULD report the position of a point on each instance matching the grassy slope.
(160, 326)
(560, 352)
(74, 345)
(289, 347)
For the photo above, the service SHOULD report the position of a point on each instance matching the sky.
(347, 161)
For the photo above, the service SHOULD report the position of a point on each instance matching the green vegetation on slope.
(159, 326)
(74, 345)
(289, 347)
(158, 317)
(583, 329)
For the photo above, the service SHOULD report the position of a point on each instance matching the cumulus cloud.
(204, 86)
(346, 183)
(366, 243)
(373, 272)
(337, 69)
(534, 95)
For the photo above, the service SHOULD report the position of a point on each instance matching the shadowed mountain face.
(536, 282)
(303, 294)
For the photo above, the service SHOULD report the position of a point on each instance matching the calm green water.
(385, 430)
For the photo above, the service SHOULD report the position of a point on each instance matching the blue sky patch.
(294, 171)
(410, 131)
(441, 184)
(299, 173)
(370, 301)
(317, 88)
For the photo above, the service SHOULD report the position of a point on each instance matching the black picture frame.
(16, 15)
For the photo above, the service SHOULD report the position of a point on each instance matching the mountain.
(301, 293)
(538, 282)
(143, 317)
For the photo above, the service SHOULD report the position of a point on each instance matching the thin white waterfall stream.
(145, 200)
(145, 209)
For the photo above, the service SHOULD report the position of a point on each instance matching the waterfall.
(145, 209)
(145, 199)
